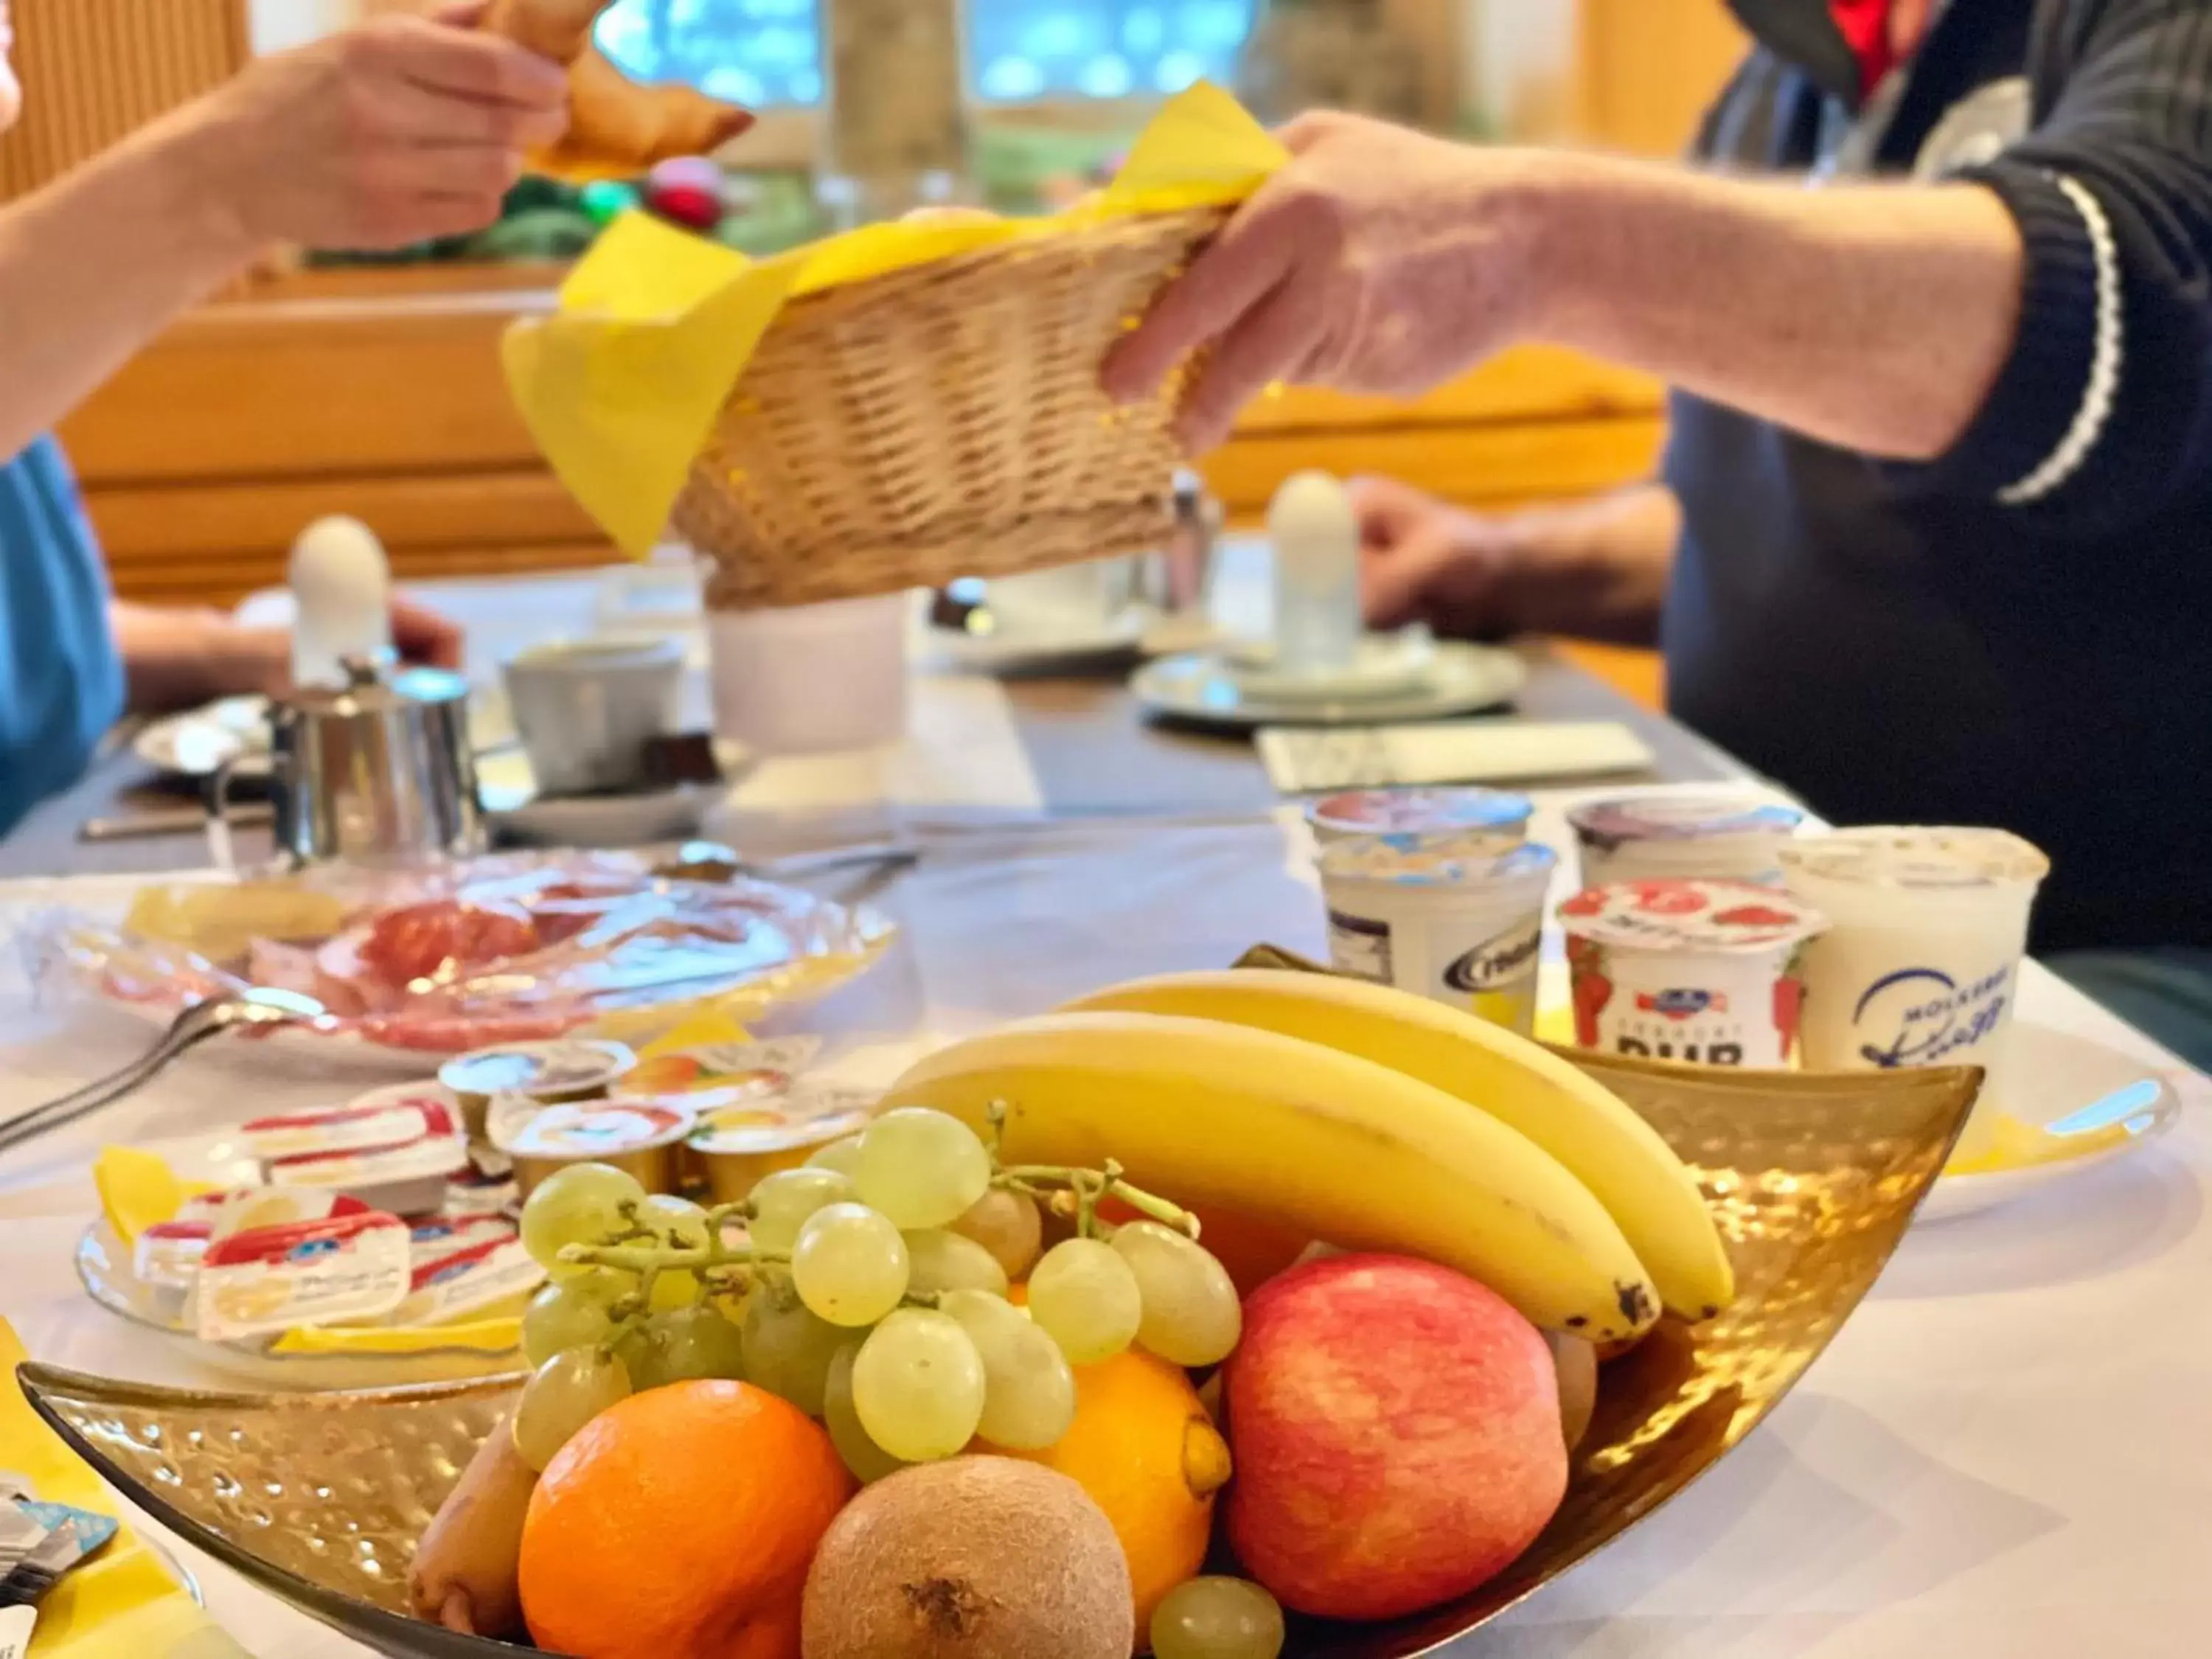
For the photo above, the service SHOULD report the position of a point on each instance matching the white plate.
(512, 803)
(1204, 691)
(2067, 1088)
(193, 744)
(1384, 666)
(1035, 646)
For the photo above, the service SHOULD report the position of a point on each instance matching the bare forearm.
(175, 658)
(1596, 569)
(94, 264)
(1874, 317)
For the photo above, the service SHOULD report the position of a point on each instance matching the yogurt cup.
(1449, 917)
(550, 1073)
(406, 1179)
(1706, 973)
(1683, 837)
(1921, 964)
(1422, 811)
(734, 1146)
(638, 1136)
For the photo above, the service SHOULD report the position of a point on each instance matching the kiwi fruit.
(973, 1557)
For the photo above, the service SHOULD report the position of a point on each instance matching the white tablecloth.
(2002, 1457)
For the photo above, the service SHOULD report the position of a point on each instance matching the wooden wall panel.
(1648, 68)
(96, 70)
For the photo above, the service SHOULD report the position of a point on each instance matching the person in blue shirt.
(398, 132)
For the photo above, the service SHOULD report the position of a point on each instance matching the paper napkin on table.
(1302, 760)
(123, 1601)
(620, 385)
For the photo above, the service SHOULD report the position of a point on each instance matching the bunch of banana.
(1366, 1116)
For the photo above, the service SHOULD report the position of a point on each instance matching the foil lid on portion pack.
(1919, 859)
(1689, 916)
(1434, 861)
(1612, 823)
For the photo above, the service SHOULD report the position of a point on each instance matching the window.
(1020, 50)
(764, 54)
(768, 53)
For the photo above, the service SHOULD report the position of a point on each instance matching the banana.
(1204, 1112)
(1622, 1159)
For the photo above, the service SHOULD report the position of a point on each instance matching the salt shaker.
(1315, 534)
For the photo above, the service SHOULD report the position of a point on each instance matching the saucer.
(1206, 689)
(2069, 1105)
(1384, 666)
(1038, 644)
(514, 806)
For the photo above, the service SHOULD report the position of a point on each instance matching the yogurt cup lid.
(596, 1128)
(1681, 818)
(537, 1068)
(1377, 811)
(812, 1119)
(1924, 860)
(1437, 862)
(1693, 917)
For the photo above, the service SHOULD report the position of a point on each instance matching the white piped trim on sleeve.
(2105, 364)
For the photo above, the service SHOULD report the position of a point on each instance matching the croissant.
(615, 127)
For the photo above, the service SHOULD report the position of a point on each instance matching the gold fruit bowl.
(320, 1498)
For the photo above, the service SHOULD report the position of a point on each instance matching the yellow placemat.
(620, 386)
(124, 1601)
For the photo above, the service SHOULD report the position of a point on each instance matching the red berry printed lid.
(1689, 915)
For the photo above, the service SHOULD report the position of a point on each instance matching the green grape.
(581, 1204)
(867, 1459)
(679, 1222)
(1029, 1392)
(575, 1313)
(921, 1168)
(939, 1260)
(787, 1349)
(849, 1264)
(842, 1155)
(782, 1201)
(1192, 1314)
(564, 1394)
(1087, 1300)
(1007, 1224)
(918, 1385)
(1217, 1619)
(686, 1345)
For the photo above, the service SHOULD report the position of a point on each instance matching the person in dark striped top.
(1933, 542)
(398, 132)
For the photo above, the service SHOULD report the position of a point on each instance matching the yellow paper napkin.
(124, 1601)
(620, 386)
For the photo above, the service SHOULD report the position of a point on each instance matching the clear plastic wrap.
(504, 949)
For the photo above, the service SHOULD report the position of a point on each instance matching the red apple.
(1396, 1436)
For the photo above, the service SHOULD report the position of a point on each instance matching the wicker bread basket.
(943, 421)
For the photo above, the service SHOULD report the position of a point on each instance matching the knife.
(171, 821)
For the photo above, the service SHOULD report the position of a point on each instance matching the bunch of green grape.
(879, 1302)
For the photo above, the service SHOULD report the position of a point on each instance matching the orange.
(680, 1525)
(1144, 1449)
(1254, 1250)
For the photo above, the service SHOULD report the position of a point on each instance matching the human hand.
(400, 131)
(1424, 560)
(1380, 259)
(178, 657)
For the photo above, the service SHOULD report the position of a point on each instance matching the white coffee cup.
(1070, 599)
(586, 708)
(1920, 965)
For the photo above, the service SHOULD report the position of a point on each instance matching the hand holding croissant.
(615, 125)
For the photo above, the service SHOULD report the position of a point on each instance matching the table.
(984, 749)
(2000, 1458)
